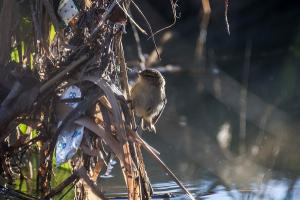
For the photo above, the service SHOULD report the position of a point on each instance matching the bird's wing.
(156, 117)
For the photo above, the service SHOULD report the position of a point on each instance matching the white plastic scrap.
(67, 10)
(110, 166)
(70, 138)
(71, 92)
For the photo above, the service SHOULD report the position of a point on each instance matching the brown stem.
(144, 186)
(63, 185)
(63, 73)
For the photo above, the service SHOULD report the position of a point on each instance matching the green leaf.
(34, 133)
(66, 166)
(14, 56)
(52, 33)
(23, 128)
(63, 166)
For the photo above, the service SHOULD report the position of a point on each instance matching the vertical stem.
(243, 98)
(132, 193)
(143, 181)
(203, 30)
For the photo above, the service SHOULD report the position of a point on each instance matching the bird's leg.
(152, 128)
(130, 103)
(138, 124)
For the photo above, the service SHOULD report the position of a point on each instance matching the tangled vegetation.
(40, 57)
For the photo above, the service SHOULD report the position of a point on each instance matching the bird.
(148, 98)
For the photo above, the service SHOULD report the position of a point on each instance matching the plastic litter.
(70, 138)
(67, 10)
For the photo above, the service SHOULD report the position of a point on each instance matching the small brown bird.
(149, 97)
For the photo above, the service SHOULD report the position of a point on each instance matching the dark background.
(205, 96)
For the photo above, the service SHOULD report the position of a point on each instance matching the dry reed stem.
(203, 30)
(134, 191)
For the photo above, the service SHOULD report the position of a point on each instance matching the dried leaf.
(116, 110)
(99, 131)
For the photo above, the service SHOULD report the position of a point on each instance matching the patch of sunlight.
(60, 174)
(224, 136)
(14, 55)
(51, 33)
(22, 128)
(23, 186)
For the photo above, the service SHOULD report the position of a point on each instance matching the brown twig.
(25, 146)
(226, 16)
(173, 5)
(138, 185)
(203, 30)
(63, 73)
(63, 185)
(138, 46)
(132, 21)
(149, 27)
